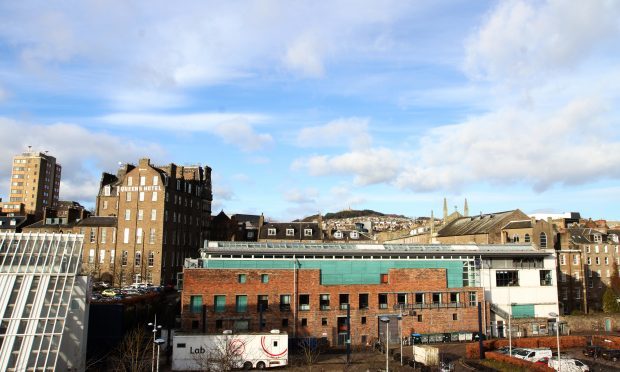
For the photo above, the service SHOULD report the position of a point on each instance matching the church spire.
(445, 210)
(466, 209)
(432, 226)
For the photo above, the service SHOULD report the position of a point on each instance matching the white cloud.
(233, 128)
(305, 56)
(301, 196)
(351, 132)
(3, 94)
(83, 154)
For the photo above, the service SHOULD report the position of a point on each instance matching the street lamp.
(386, 320)
(155, 329)
(400, 336)
(159, 342)
(557, 332)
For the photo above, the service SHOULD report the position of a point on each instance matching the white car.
(568, 365)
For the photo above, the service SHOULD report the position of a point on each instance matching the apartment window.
(363, 320)
(401, 298)
(343, 299)
(140, 215)
(241, 303)
(129, 181)
(139, 235)
(454, 298)
(598, 274)
(508, 278)
(126, 235)
(91, 256)
(271, 231)
(472, 299)
(587, 249)
(304, 322)
(104, 235)
(141, 196)
(106, 192)
(324, 322)
(285, 302)
(576, 259)
(92, 235)
(153, 214)
(606, 260)
(543, 240)
(545, 278)
(127, 214)
(304, 302)
(383, 300)
(384, 278)
(241, 278)
(455, 316)
(195, 304)
(562, 259)
(589, 261)
(526, 238)
(589, 273)
(128, 196)
(363, 301)
(420, 317)
(112, 254)
(142, 180)
(597, 260)
(419, 298)
(264, 278)
(289, 232)
(596, 249)
(262, 303)
(152, 236)
(102, 256)
(219, 304)
(436, 298)
(155, 180)
(324, 301)
(124, 258)
(105, 204)
(138, 258)
(605, 249)
(307, 232)
(151, 259)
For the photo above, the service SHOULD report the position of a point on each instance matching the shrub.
(518, 362)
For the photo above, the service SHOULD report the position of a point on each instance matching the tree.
(610, 303)
(310, 349)
(222, 354)
(134, 353)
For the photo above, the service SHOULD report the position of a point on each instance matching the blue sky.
(309, 106)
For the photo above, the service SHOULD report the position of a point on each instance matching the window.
(515, 238)
(363, 320)
(419, 298)
(105, 204)
(384, 278)
(401, 298)
(129, 181)
(106, 192)
(343, 299)
(304, 302)
(151, 259)
(104, 234)
(455, 316)
(545, 278)
(454, 298)
(124, 258)
(241, 303)
(92, 235)
(91, 256)
(155, 180)
(219, 304)
(285, 302)
(284, 322)
(472, 299)
(140, 214)
(508, 278)
(219, 324)
(262, 303)
(304, 322)
(354, 235)
(128, 196)
(562, 259)
(589, 260)
(307, 232)
(324, 301)
(338, 235)
(420, 317)
(127, 214)
(126, 235)
(605, 249)
(383, 301)
(241, 278)
(139, 235)
(195, 304)
(606, 260)
(142, 180)
(323, 321)
(597, 260)
(138, 258)
(289, 232)
(587, 249)
(152, 236)
(596, 250)
(153, 214)
(141, 196)
(271, 231)
(543, 240)
(102, 256)
(154, 196)
(363, 301)
(575, 259)
(436, 298)
(112, 254)
(264, 278)
(526, 238)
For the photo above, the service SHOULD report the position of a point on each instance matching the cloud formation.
(348, 132)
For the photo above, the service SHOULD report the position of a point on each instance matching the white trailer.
(195, 352)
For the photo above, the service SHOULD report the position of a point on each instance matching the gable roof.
(525, 224)
(480, 224)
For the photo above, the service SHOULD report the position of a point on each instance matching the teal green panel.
(523, 311)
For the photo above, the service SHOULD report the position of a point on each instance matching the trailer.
(224, 351)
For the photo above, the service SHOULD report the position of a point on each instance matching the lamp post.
(557, 333)
(386, 320)
(155, 329)
(509, 322)
(159, 342)
(400, 336)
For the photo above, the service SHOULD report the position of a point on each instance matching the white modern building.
(43, 307)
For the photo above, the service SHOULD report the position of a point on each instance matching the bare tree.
(133, 354)
(310, 350)
(223, 354)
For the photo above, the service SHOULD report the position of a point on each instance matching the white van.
(568, 365)
(537, 354)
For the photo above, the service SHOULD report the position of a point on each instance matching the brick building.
(305, 290)
(479, 229)
(162, 216)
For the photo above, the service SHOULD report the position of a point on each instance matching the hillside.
(350, 213)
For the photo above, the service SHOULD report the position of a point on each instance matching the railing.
(433, 305)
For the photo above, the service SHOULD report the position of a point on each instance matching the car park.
(593, 351)
(611, 354)
(110, 292)
(568, 365)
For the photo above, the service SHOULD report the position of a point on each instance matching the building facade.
(35, 184)
(162, 214)
(44, 310)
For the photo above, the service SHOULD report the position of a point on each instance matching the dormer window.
(307, 232)
(106, 190)
(290, 232)
(271, 231)
(354, 235)
(338, 235)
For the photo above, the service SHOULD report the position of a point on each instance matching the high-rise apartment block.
(35, 184)
(162, 216)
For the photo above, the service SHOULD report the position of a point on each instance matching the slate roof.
(251, 218)
(581, 235)
(20, 221)
(480, 224)
(281, 228)
(526, 224)
(98, 221)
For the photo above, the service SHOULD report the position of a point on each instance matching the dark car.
(593, 351)
(611, 354)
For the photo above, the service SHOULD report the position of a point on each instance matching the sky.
(318, 106)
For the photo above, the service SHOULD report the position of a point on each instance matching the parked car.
(110, 292)
(611, 354)
(543, 361)
(536, 354)
(568, 365)
(593, 351)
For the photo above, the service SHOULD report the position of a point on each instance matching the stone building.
(162, 216)
(308, 232)
(479, 229)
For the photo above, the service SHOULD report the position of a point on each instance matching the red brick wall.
(211, 282)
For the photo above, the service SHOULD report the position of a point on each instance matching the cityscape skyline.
(305, 107)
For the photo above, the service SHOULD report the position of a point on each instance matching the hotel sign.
(139, 188)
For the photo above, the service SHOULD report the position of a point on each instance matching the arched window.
(543, 240)
(515, 238)
(526, 238)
